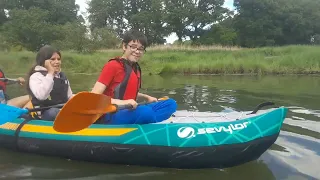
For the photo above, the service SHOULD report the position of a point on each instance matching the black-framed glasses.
(135, 48)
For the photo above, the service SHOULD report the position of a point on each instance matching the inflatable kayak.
(188, 140)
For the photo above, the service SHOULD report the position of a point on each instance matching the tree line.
(29, 24)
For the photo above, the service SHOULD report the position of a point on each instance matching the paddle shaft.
(8, 79)
(127, 106)
(45, 108)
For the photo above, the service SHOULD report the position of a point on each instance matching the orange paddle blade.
(81, 111)
(163, 98)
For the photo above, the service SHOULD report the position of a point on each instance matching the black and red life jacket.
(3, 84)
(129, 87)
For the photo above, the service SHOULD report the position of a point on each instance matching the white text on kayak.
(189, 132)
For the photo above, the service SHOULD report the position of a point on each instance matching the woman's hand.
(49, 67)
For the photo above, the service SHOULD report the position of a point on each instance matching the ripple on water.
(303, 121)
(301, 153)
(301, 110)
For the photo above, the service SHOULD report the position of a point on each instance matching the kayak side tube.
(196, 145)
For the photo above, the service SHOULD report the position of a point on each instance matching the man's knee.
(172, 104)
(169, 105)
(144, 115)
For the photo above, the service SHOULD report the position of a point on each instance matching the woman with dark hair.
(47, 85)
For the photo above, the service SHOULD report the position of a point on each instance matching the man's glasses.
(134, 48)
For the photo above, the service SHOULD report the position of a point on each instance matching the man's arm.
(147, 97)
(144, 96)
(99, 88)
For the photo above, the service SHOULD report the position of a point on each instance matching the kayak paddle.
(11, 112)
(8, 79)
(76, 105)
(84, 109)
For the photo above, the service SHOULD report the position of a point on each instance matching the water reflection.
(25, 166)
(302, 153)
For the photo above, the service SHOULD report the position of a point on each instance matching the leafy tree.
(190, 18)
(34, 23)
(149, 18)
(219, 34)
(177, 16)
(105, 38)
(281, 22)
(109, 14)
(73, 37)
(59, 11)
(29, 28)
(3, 17)
(121, 15)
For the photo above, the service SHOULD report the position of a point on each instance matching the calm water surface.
(295, 154)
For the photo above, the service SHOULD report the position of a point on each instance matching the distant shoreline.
(205, 60)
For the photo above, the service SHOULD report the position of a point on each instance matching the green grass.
(293, 59)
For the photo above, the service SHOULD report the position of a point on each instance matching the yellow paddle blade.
(81, 111)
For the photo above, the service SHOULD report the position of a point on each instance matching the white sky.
(170, 39)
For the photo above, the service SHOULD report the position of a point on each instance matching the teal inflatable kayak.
(188, 140)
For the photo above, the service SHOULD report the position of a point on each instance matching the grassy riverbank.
(203, 60)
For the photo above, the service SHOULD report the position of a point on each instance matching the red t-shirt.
(111, 75)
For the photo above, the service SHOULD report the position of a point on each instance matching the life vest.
(3, 84)
(129, 87)
(58, 95)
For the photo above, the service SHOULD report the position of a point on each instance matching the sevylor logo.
(189, 132)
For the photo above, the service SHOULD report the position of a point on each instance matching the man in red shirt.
(121, 79)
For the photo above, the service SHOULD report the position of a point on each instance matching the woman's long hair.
(43, 54)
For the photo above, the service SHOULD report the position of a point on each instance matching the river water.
(295, 154)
